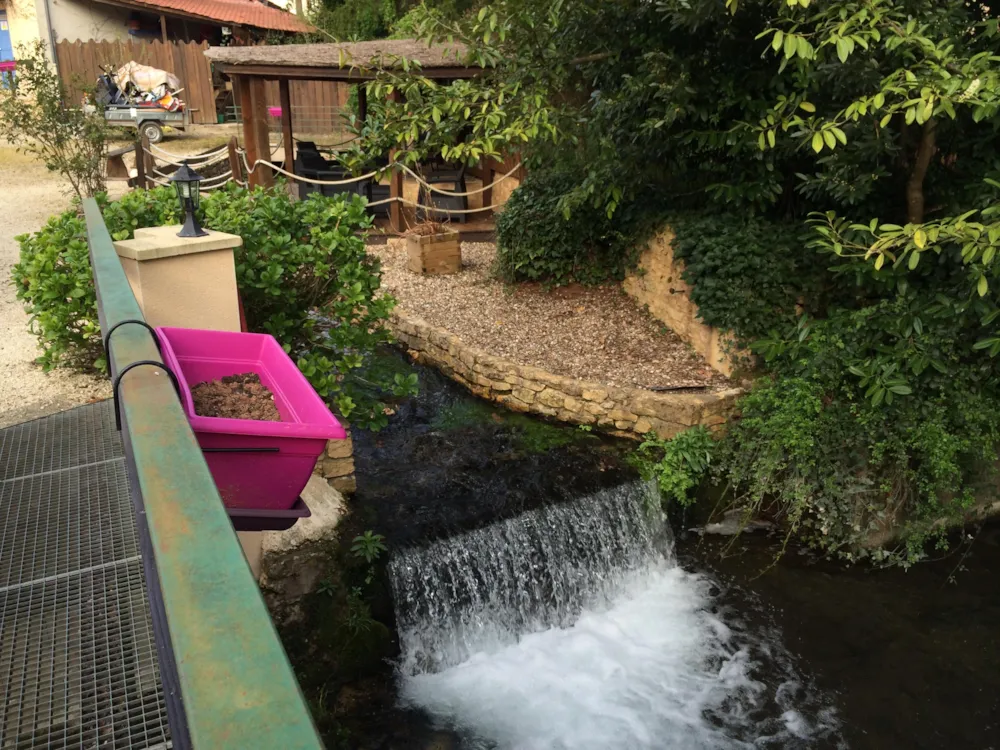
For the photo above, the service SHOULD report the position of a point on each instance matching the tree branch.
(915, 185)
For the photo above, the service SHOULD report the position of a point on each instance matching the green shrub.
(747, 275)
(303, 272)
(53, 279)
(679, 464)
(841, 450)
(536, 241)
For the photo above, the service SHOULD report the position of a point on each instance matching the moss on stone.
(529, 434)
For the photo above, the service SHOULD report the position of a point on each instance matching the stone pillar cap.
(153, 243)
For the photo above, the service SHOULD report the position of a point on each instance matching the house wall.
(23, 21)
(78, 19)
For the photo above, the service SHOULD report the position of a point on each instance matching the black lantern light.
(186, 182)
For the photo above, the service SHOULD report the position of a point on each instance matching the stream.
(540, 600)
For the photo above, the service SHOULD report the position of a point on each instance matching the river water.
(539, 604)
(573, 626)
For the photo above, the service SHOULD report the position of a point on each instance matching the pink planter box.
(274, 111)
(255, 464)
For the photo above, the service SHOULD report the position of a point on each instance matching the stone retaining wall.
(630, 412)
(657, 284)
(336, 465)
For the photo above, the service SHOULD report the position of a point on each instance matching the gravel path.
(32, 195)
(593, 333)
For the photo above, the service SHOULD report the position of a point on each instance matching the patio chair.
(450, 178)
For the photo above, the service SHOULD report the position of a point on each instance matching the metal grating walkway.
(78, 662)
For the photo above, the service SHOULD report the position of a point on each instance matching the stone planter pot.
(434, 253)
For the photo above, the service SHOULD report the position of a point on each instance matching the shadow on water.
(901, 659)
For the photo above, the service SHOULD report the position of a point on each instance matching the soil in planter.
(240, 396)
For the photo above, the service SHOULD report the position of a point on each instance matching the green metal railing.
(237, 687)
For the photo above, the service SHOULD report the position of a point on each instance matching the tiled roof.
(235, 12)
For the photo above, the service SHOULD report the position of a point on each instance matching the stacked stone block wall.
(630, 412)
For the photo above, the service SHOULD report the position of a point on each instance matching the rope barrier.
(194, 165)
(483, 189)
(218, 180)
(436, 209)
(300, 178)
(352, 180)
(181, 156)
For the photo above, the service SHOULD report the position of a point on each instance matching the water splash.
(572, 626)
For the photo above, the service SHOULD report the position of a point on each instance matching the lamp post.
(185, 182)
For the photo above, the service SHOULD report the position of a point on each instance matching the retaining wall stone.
(629, 412)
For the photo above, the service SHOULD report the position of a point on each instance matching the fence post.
(234, 161)
(141, 144)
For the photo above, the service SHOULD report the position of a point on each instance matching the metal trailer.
(149, 121)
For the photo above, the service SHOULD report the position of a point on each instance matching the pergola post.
(258, 120)
(395, 183)
(241, 91)
(362, 105)
(286, 125)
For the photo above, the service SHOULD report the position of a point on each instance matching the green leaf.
(817, 142)
(879, 100)
(831, 141)
(983, 286)
(843, 50)
(779, 37)
(807, 106)
(885, 120)
(920, 238)
(914, 260)
(790, 45)
(902, 390)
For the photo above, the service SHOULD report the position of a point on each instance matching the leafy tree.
(871, 124)
(36, 117)
(356, 20)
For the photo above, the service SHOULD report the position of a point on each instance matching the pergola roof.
(347, 60)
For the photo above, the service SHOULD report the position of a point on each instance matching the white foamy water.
(572, 627)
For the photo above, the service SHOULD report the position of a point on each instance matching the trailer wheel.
(152, 131)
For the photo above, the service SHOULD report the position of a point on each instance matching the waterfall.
(572, 627)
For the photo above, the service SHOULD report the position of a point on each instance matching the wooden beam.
(258, 113)
(318, 73)
(286, 124)
(395, 183)
(141, 144)
(362, 105)
(163, 28)
(234, 160)
(487, 172)
(241, 93)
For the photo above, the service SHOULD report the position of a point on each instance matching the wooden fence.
(80, 63)
(317, 106)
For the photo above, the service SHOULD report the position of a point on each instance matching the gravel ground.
(25, 391)
(593, 333)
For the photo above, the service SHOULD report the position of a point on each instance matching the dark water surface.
(904, 659)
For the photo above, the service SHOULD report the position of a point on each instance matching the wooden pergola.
(353, 63)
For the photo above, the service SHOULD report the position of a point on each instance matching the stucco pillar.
(187, 282)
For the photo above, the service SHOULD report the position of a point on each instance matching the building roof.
(443, 58)
(235, 12)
